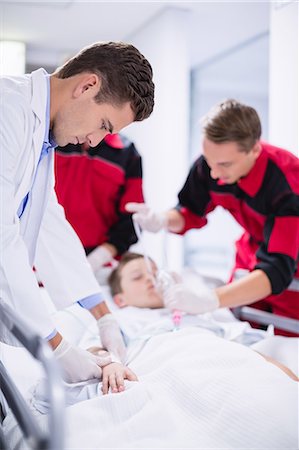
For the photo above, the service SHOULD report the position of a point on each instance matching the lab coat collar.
(39, 93)
(38, 104)
(252, 182)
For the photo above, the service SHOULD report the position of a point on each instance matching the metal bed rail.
(40, 350)
(258, 316)
(265, 318)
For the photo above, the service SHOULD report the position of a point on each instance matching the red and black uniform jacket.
(265, 203)
(94, 185)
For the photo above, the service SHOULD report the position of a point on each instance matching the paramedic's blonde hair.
(232, 121)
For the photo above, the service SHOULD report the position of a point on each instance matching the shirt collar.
(49, 141)
(252, 182)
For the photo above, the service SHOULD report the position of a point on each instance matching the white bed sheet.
(195, 390)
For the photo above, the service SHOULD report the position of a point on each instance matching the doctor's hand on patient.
(78, 364)
(146, 218)
(111, 338)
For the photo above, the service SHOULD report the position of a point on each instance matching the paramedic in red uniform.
(258, 184)
(93, 184)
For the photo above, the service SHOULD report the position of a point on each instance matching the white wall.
(163, 138)
(283, 111)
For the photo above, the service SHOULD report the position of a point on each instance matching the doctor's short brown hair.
(232, 121)
(126, 75)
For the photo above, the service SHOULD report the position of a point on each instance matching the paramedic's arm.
(152, 221)
(175, 221)
(248, 289)
(101, 255)
(194, 204)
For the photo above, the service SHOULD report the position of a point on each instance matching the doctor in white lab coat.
(38, 112)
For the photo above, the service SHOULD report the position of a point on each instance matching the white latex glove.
(197, 299)
(99, 257)
(165, 279)
(111, 338)
(147, 218)
(78, 364)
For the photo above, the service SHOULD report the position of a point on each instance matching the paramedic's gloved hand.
(147, 218)
(111, 338)
(78, 364)
(197, 299)
(165, 279)
(99, 257)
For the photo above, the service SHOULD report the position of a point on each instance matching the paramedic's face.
(227, 162)
(81, 120)
(138, 286)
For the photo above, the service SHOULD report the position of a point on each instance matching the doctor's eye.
(104, 126)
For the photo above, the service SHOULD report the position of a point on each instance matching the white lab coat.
(42, 230)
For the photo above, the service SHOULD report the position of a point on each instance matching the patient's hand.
(113, 376)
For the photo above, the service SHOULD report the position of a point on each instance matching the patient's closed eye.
(136, 276)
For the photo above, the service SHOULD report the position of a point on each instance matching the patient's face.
(138, 287)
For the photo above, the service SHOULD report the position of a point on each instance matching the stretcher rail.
(266, 318)
(40, 350)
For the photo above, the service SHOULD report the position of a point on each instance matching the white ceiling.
(57, 29)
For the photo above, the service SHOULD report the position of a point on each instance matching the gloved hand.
(197, 299)
(111, 338)
(165, 279)
(78, 364)
(99, 257)
(146, 218)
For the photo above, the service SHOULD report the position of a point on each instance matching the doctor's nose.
(95, 138)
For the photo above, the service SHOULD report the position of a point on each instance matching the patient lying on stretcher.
(134, 284)
(142, 316)
(199, 386)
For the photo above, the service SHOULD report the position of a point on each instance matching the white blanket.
(195, 390)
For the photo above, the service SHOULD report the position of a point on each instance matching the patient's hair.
(114, 279)
(125, 74)
(231, 121)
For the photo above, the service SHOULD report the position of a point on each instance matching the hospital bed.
(12, 398)
(258, 316)
(122, 420)
(265, 318)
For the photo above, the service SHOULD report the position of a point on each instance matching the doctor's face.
(227, 162)
(137, 286)
(82, 120)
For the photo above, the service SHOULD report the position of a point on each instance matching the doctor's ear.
(119, 300)
(87, 83)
